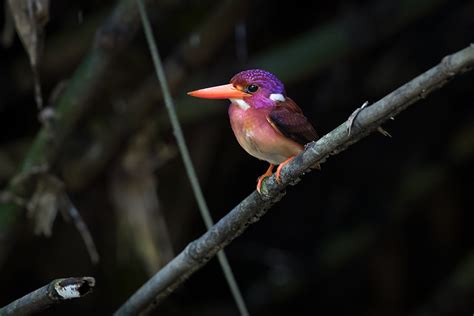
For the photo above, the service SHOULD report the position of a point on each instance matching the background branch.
(57, 291)
(198, 252)
(114, 34)
(188, 164)
(147, 99)
(454, 294)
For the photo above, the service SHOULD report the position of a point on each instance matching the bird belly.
(259, 138)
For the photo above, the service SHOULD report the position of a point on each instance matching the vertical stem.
(186, 156)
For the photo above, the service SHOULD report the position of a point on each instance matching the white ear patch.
(241, 103)
(277, 97)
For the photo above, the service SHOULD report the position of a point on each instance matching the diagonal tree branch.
(57, 291)
(249, 211)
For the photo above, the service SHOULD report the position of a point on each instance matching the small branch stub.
(73, 287)
(57, 291)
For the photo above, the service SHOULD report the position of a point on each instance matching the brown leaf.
(45, 203)
(30, 17)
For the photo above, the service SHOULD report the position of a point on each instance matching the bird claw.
(260, 182)
(262, 177)
(353, 116)
(277, 177)
(278, 172)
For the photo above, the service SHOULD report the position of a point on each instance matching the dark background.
(385, 228)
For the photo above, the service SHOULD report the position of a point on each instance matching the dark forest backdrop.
(384, 228)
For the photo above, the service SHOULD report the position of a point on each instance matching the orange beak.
(227, 91)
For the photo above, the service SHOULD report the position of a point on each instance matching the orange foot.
(281, 166)
(263, 176)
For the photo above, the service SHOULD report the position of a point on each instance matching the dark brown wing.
(289, 120)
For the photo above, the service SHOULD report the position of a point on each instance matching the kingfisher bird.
(267, 124)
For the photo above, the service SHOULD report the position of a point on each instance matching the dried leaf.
(44, 205)
(30, 17)
(49, 198)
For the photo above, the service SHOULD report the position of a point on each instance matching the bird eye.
(252, 88)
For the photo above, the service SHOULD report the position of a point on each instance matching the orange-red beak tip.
(227, 91)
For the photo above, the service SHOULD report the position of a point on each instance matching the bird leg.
(263, 176)
(281, 166)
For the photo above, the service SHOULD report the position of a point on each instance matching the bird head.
(250, 88)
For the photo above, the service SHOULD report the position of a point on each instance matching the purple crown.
(267, 81)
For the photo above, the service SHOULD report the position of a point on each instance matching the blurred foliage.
(382, 229)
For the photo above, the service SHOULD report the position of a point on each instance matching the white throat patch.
(241, 103)
(277, 97)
